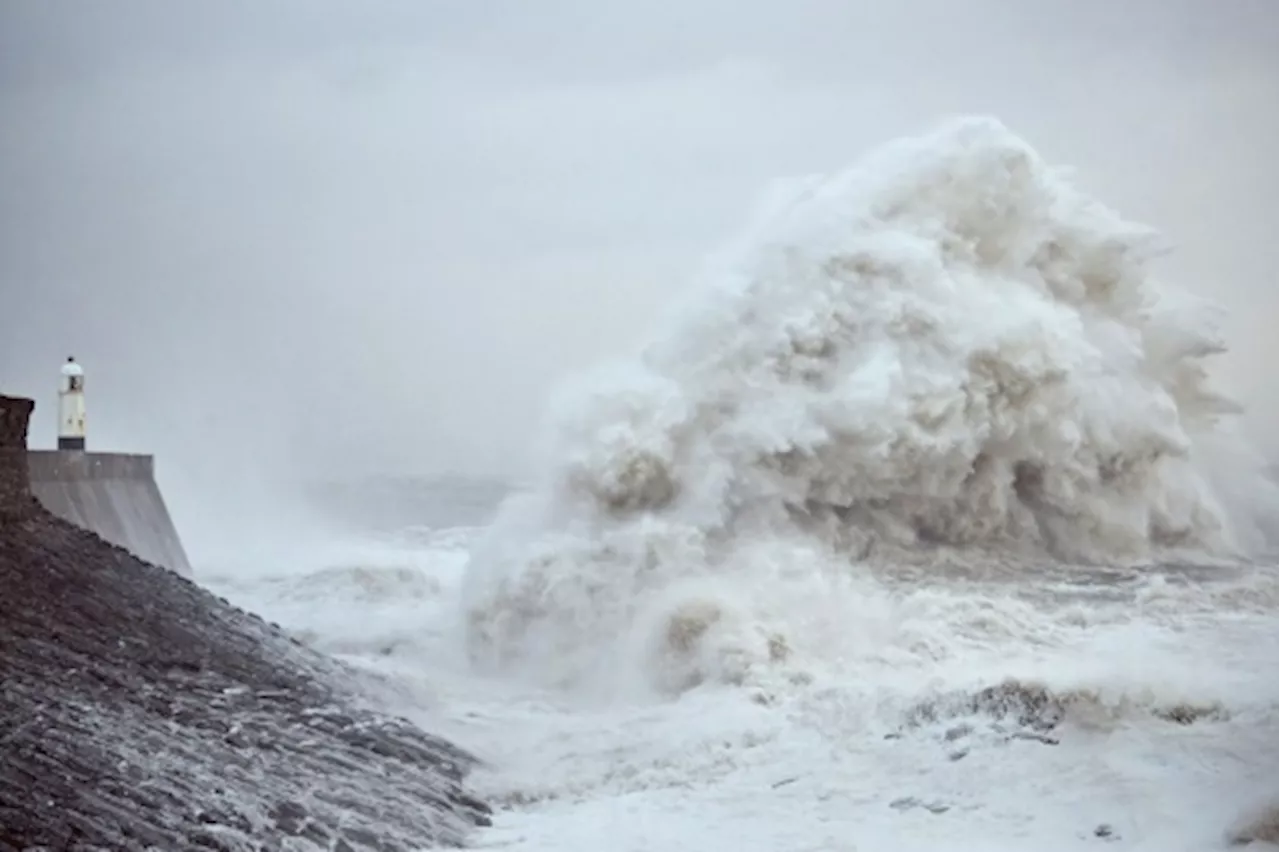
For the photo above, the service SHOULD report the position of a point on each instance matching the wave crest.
(945, 351)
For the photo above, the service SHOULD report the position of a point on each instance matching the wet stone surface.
(138, 711)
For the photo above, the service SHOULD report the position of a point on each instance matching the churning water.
(919, 526)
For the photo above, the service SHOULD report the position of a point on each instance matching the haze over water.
(905, 504)
(919, 523)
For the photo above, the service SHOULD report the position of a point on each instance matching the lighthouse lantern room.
(71, 407)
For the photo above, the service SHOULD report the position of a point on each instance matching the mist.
(305, 240)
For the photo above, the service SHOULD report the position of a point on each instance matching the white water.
(931, 425)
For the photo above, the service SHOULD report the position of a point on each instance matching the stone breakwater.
(139, 711)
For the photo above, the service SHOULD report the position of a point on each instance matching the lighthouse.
(71, 407)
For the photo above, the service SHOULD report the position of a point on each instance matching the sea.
(919, 525)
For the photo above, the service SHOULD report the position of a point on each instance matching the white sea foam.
(875, 547)
(882, 743)
(947, 356)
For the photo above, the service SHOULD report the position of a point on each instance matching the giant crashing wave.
(946, 354)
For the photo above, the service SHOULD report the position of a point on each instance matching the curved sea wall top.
(114, 495)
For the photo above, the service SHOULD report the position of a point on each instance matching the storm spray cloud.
(371, 237)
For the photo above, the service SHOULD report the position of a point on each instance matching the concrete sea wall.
(113, 495)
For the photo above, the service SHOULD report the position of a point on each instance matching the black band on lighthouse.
(66, 443)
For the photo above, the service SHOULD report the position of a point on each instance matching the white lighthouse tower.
(71, 407)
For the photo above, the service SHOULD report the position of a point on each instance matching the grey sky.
(379, 231)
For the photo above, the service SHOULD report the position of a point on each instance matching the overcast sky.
(374, 233)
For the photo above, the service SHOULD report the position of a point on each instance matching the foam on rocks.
(139, 711)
